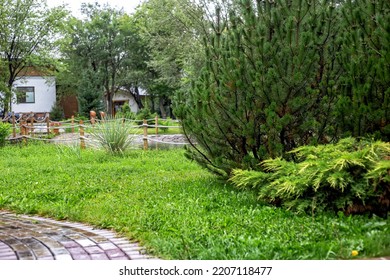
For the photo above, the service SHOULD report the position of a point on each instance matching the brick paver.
(35, 238)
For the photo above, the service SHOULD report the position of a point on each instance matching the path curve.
(25, 237)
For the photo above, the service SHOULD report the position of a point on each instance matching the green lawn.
(174, 208)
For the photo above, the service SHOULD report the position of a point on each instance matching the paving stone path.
(34, 238)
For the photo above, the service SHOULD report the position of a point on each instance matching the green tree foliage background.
(170, 30)
(95, 49)
(27, 32)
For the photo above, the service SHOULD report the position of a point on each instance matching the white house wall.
(121, 96)
(45, 94)
(133, 105)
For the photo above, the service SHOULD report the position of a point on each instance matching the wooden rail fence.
(33, 126)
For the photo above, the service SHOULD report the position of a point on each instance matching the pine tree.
(268, 86)
(90, 95)
(365, 87)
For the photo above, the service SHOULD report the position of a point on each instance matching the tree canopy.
(28, 29)
(170, 31)
(95, 50)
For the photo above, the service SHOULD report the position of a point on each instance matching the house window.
(25, 94)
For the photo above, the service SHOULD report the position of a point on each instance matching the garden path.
(171, 140)
(29, 237)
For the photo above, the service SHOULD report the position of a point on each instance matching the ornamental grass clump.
(351, 176)
(114, 135)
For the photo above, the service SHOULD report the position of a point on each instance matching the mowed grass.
(174, 208)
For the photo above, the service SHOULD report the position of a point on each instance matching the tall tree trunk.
(109, 103)
(8, 96)
(137, 98)
(162, 108)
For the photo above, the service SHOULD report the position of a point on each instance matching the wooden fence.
(34, 123)
(39, 127)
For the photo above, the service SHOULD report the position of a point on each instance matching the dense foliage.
(56, 112)
(95, 51)
(170, 30)
(363, 105)
(113, 51)
(283, 74)
(350, 176)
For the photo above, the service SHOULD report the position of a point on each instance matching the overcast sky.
(74, 5)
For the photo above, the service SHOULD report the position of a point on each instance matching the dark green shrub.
(125, 112)
(57, 112)
(350, 176)
(165, 122)
(90, 97)
(5, 130)
(82, 118)
(144, 114)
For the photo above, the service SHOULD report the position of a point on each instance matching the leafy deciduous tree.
(27, 32)
(96, 52)
(171, 29)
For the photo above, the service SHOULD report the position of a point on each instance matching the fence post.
(81, 129)
(156, 123)
(48, 123)
(145, 134)
(23, 130)
(21, 126)
(32, 123)
(92, 117)
(156, 126)
(72, 124)
(13, 125)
